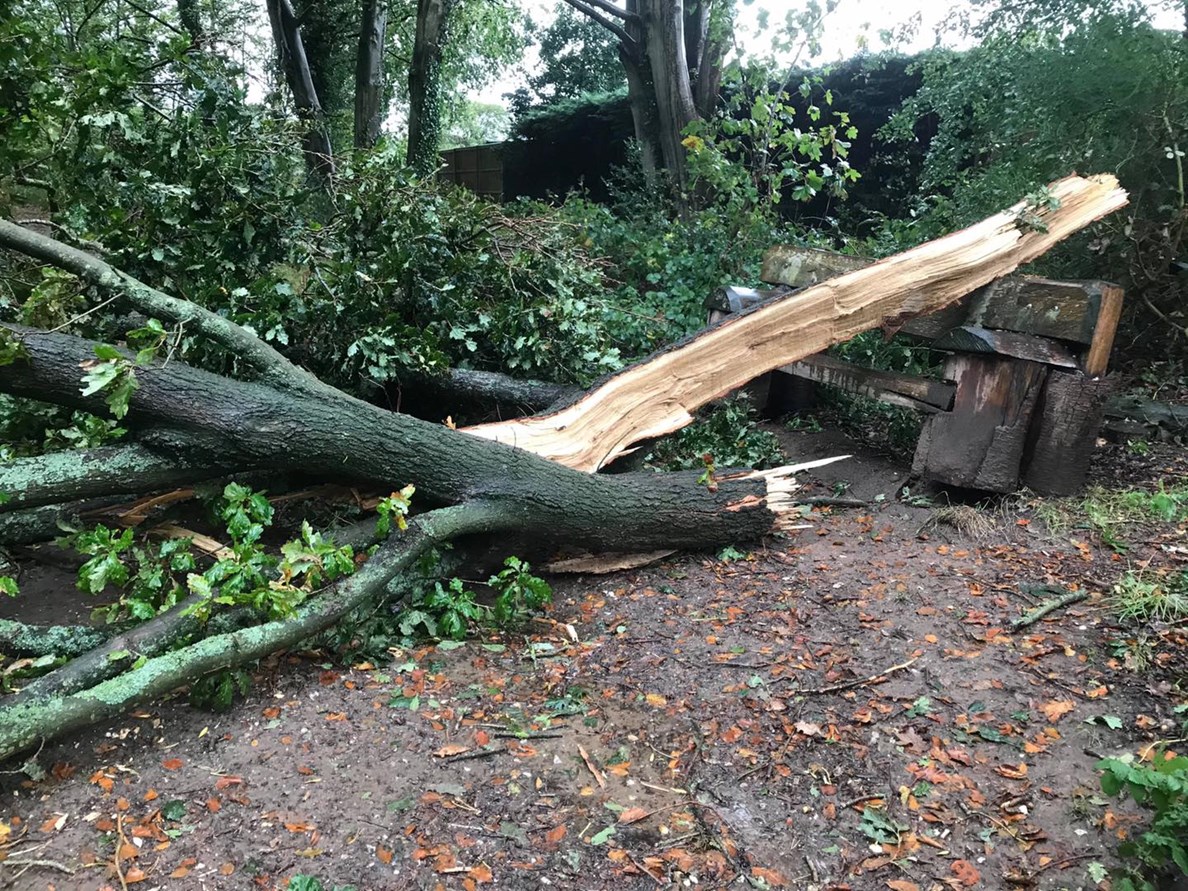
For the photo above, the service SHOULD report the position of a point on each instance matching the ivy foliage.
(1052, 88)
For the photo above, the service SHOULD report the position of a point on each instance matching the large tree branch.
(659, 395)
(25, 721)
(108, 470)
(344, 439)
(273, 368)
(630, 44)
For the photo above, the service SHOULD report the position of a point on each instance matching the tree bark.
(250, 424)
(108, 470)
(665, 40)
(424, 85)
(286, 35)
(369, 74)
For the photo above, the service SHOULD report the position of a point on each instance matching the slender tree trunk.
(286, 35)
(704, 50)
(664, 31)
(424, 84)
(369, 74)
(641, 94)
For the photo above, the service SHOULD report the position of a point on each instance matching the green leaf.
(8, 585)
(174, 809)
(602, 837)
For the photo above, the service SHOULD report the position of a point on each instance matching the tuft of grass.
(965, 519)
(1114, 513)
(1151, 598)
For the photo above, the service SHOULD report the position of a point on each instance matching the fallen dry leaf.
(172, 763)
(966, 873)
(1057, 709)
(633, 815)
(451, 749)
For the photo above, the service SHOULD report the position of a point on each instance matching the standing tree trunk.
(672, 53)
(664, 30)
(286, 34)
(424, 84)
(369, 74)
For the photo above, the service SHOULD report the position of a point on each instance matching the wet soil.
(848, 707)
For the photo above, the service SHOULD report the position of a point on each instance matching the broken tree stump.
(980, 443)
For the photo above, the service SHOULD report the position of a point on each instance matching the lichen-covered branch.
(273, 368)
(107, 470)
(26, 721)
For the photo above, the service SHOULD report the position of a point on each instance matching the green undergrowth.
(1153, 856)
(727, 435)
(1116, 514)
(142, 578)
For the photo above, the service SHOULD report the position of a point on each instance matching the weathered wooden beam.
(975, 339)
(980, 444)
(909, 391)
(1082, 312)
(1097, 360)
(660, 394)
(1065, 432)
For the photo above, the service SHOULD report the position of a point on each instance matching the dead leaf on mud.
(633, 815)
(451, 749)
(902, 885)
(965, 872)
(808, 728)
(1057, 709)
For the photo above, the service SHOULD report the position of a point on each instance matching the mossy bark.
(343, 439)
(26, 720)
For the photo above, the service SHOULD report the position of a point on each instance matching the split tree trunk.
(660, 395)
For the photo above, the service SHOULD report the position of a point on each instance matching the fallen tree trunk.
(659, 396)
(522, 478)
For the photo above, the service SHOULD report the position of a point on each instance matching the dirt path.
(845, 709)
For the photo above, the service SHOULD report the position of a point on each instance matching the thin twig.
(647, 872)
(52, 864)
(590, 766)
(849, 685)
(484, 753)
(1048, 606)
(119, 849)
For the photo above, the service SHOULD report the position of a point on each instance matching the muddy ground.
(847, 708)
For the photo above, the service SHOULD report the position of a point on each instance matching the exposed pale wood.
(980, 443)
(1065, 432)
(907, 390)
(204, 543)
(601, 564)
(975, 339)
(1072, 311)
(1097, 360)
(660, 394)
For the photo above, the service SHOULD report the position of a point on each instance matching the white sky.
(844, 29)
